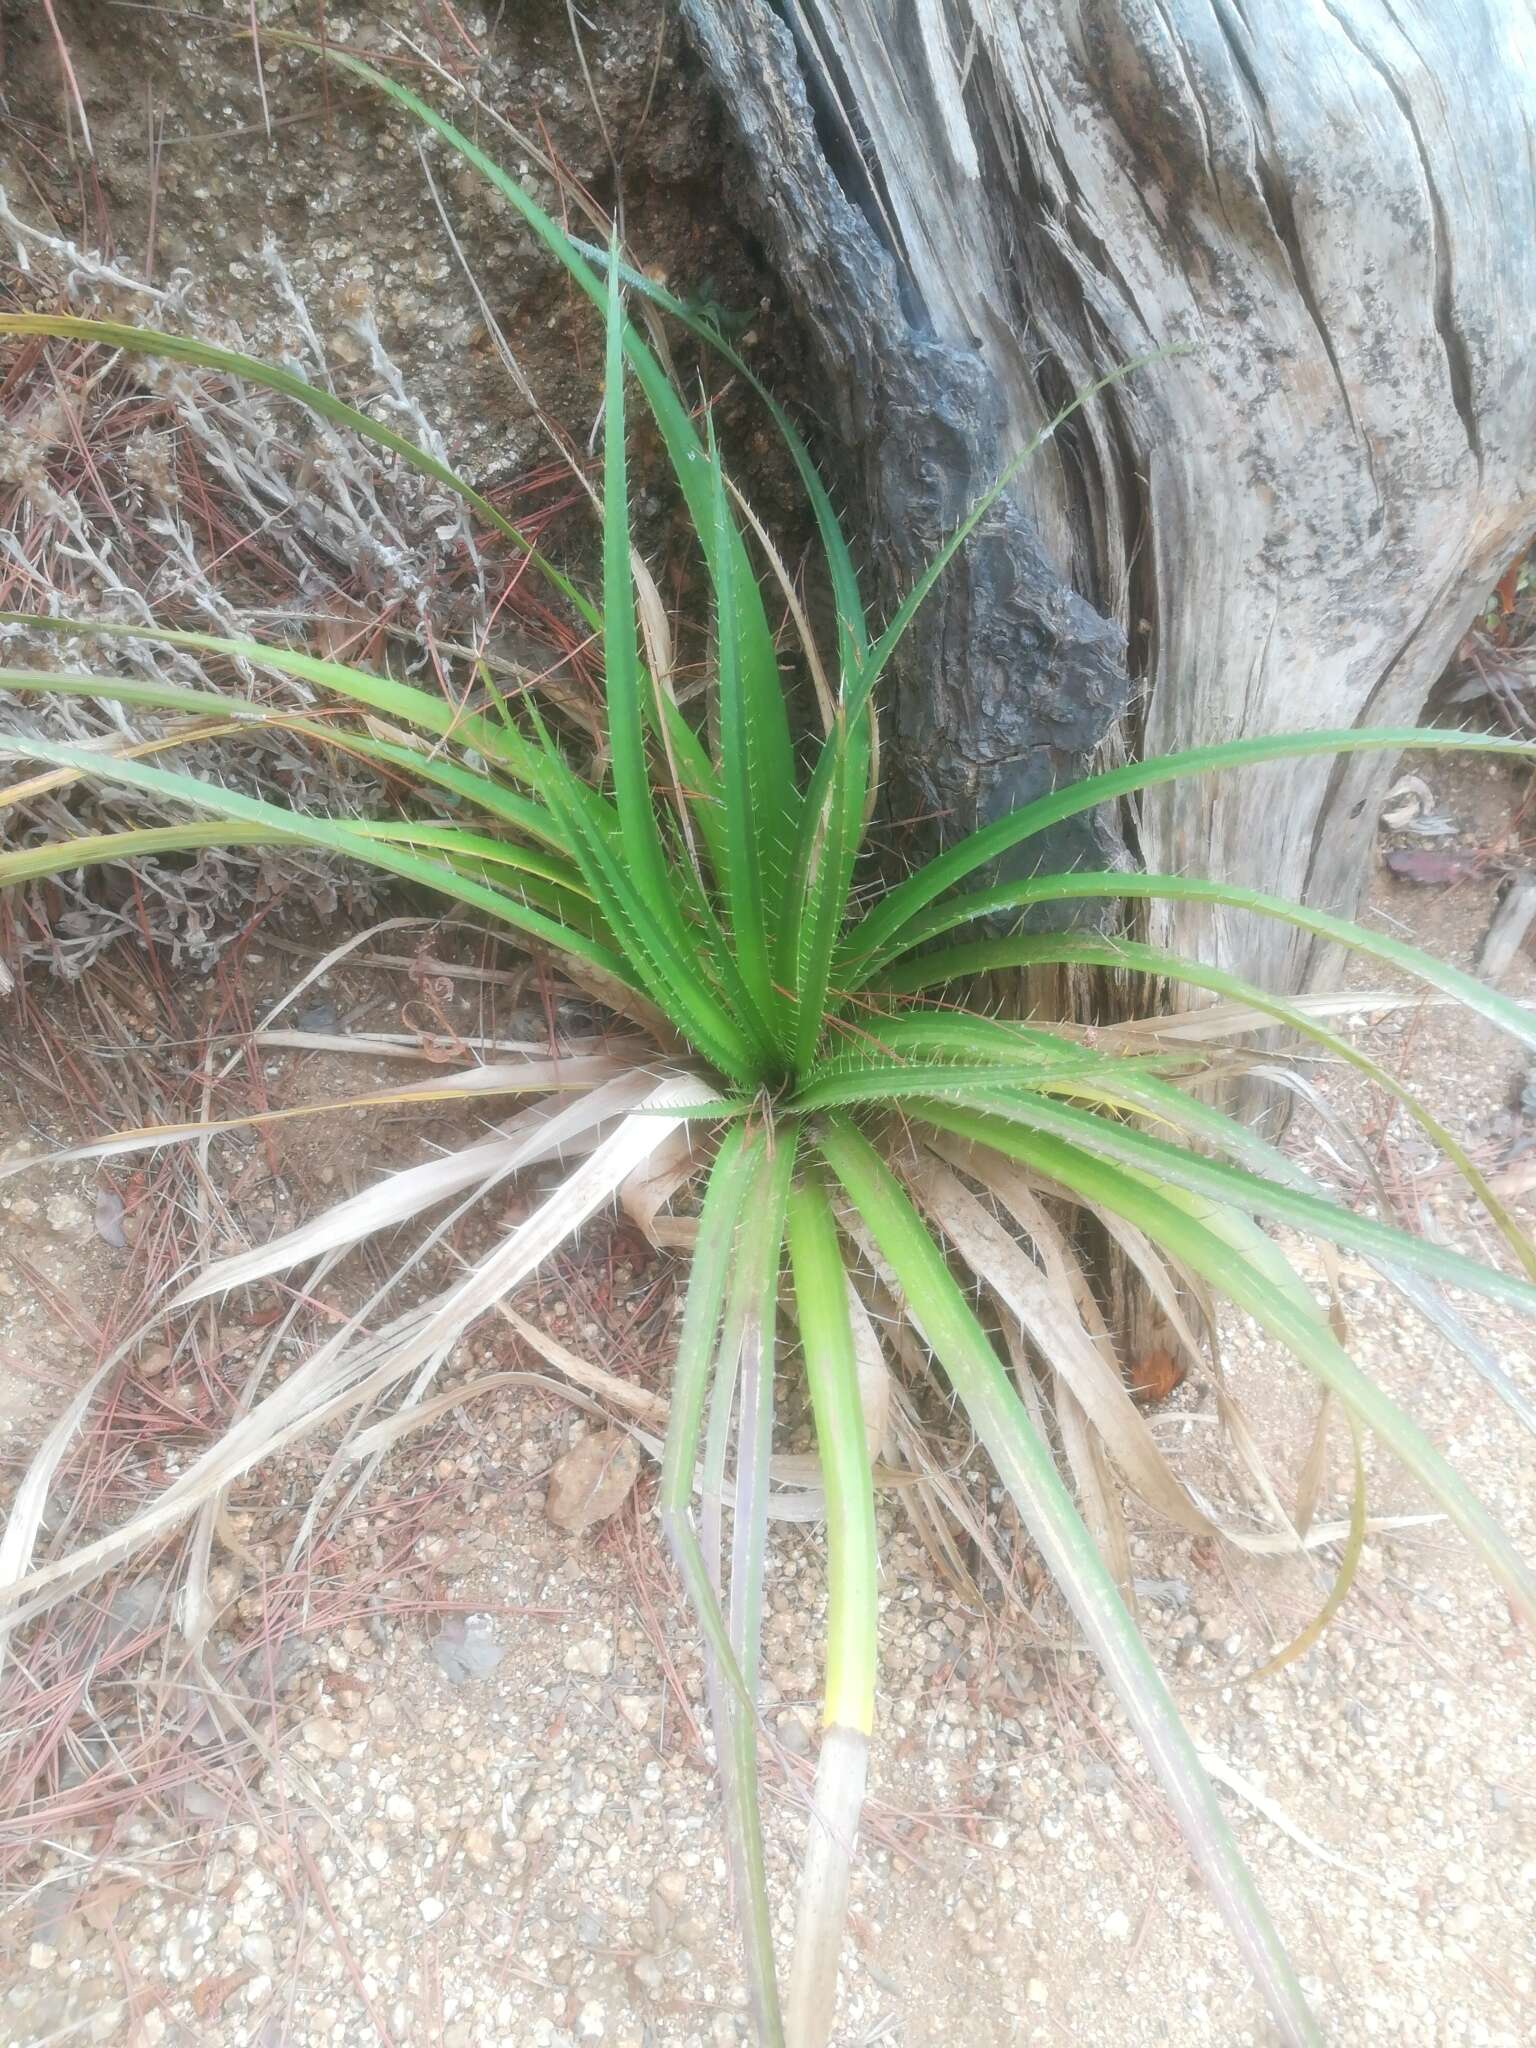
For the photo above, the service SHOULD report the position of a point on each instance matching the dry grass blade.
(383, 1435)
(1275, 1814)
(648, 1191)
(1216, 1021)
(335, 1380)
(1049, 1315)
(538, 1133)
(826, 702)
(571, 1131)
(837, 1801)
(410, 1045)
(326, 964)
(499, 1079)
(1314, 1469)
(30, 1502)
(874, 1370)
(1096, 1486)
(582, 1372)
(1349, 1565)
(197, 1605)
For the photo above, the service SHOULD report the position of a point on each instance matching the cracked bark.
(1330, 207)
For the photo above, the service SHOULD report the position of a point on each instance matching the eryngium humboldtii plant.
(794, 1061)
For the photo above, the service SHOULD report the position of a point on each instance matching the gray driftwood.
(1330, 207)
(1513, 917)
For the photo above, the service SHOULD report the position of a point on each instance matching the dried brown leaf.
(593, 1480)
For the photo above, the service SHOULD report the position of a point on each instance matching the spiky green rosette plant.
(794, 1058)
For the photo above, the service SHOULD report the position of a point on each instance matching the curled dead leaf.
(1155, 1375)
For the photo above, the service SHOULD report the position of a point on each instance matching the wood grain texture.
(1329, 208)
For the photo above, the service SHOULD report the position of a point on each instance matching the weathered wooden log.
(1328, 208)
(1508, 928)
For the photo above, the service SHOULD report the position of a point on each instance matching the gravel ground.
(495, 1824)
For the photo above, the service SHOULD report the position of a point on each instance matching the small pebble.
(326, 1735)
(592, 1659)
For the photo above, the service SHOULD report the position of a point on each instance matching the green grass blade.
(852, 628)
(497, 862)
(984, 955)
(671, 974)
(754, 1452)
(470, 785)
(398, 701)
(469, 844)
(816, 900)
(643, 852)
(708, 936)
(831, 1370)
(473, 786)
(203, 355)
(738, 1169)
(476, 787)
(888, 925)
(1025, 1466)
(1090, 949)
(954, 1035)
(921, 1037)
(1239, 1141)
(638, 877)
(749, 1337)
(685, 451)
(742, 747)
(59, 856)
(938, 1081)
(1289, 1315)
(323, 832)
(1108, 1138)
(832, 1374)
(496, 739)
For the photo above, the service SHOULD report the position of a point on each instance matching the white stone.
(67, 1217)
(177, 1957)
(591, 1659)
(326, 1735)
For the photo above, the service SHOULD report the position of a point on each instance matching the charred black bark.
(1009, 679)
